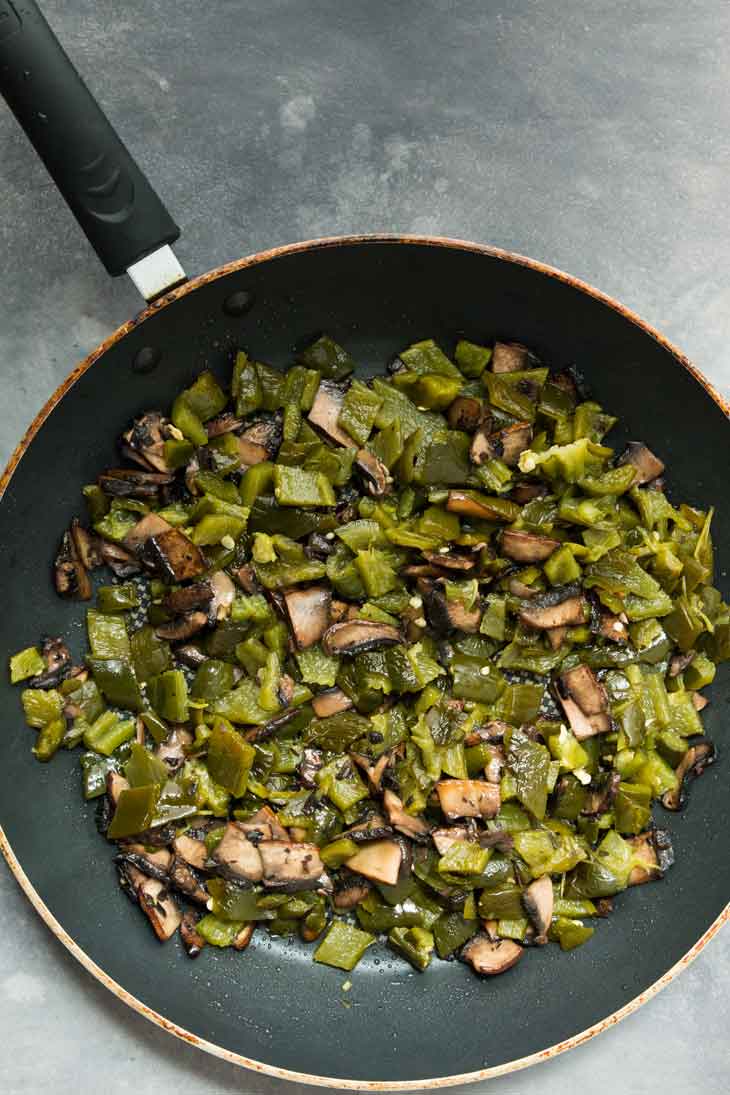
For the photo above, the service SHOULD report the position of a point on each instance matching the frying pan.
(272, 1009)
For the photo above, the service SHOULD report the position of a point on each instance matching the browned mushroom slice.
(88, 547)
(584, 726)
(180, 601)
(495, 764)
(380, 861)
(290, 865)
(156, 864)
(359, 636)
(519, 589)
(648, 466)
(450, 560)
(243, 938)
(377, 478)
(192, 940)
(466, 503)
(260, 441)
(190, 655)
(157, 903)
(70, 575)
(130, 483)
(121, 561)
(237, 857)
(330, 702)
(115, 784)
(494, 730)
(351, 889)
(446, 615)
(145, 440)
(509, 357)
(265, 822)
(582, 685)
(182, 627)
(468, 798)
(326, 411)
(564, 606)
(172, 749)
(57, 657)
(679, 662)
(414, 827)
(613, 628)
(176, 555)
(527, 547)
(602, 795)
(526, 492)
(699, 702)
(192, 850)
(506, 444)
(183, 878)
(694, 762)
(538, 900)
(489, 957)
(309, 614)
(224, 594)
(656, 855)
(375, 828)
(245, 576)
(464, 413)
(445, 837)
(222, 423)
(149, 525)
(556, 637)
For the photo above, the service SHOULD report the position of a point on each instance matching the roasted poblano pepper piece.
(414, 944)
(116, 680)
(119, 598)
(26, 663)
(135, 811)
(168, 694)
(343, 946)
(229, 758)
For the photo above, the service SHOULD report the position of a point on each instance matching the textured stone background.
(587, 133)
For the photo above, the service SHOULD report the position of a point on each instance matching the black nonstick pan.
(271, 1009)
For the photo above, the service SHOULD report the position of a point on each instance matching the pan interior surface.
(271, 1004)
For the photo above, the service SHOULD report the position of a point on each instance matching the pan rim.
(16, 869)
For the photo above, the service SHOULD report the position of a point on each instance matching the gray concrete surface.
(589, 134)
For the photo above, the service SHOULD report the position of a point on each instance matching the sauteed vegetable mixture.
(407, 659)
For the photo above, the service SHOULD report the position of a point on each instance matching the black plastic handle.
(111, 199)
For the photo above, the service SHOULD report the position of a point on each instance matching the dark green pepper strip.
(108, 636)
(49, 739)
(414, 944)
(246, 387)
(471, 358)
(116, 681)
(156, 728)
(205, 396)
(150, 655)
(569, 933)
(451, 931)
(186, 420)
(212, 679)
(26, 663)
(359, 411)
(108, 732)
(119, 598)
(230, 758)
(144, 767)
(257, 480)
(94, 772)
(327, 358)
(232, 902)
(135, 811)
(343, 946)
(168, 695)
(219, 933)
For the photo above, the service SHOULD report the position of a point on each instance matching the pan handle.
(122, 216)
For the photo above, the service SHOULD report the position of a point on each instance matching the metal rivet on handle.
(238, 303)
(146, 359)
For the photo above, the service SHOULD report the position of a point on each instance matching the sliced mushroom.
(172, 749)
(182, 627)
(613, 628)
(350, 891)
(71, 577)
(375, 828)
(176, 555)
(188, 598)
(260, 441)
(698, 757)
(290, 865)
(584, 726)
(444, 838)
(224, 594)
(330, 702)
(309, 614)
(145, 440)
(495, 764)
(447, 615)
(191, 656)
(115, 784)
(527, 547)
(679, 662)
(601, 797)
(468, 798)
(413, 827)
(648, 466)
(192, 940)
(57, 657)
(492, 731)
(582, 685)
(464, 413)
(377, 478)
(699, 702)
(157, 903)
(121, 561)
(264, 822)
(450, 560)
(149, 525)
(506, 444)
(311, 762)
(556, 636)
(184, 878)
(237, 857)
(359, 636)
(380, 861)
(222, 423)
(654, 850)
(564, 606)
(526, 492)
(538, 900)
(154, 864)
(131, 483)
(190, 849)
(489, 957)
(88, 547)
(243, 938)
(326, 411)
(245, 576)
(466, 503)
(374, 772)
(509, 357)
